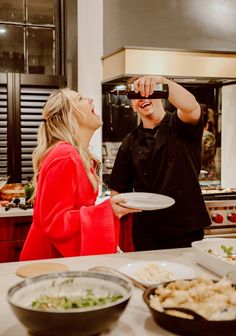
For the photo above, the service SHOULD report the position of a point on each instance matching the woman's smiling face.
(85, 112)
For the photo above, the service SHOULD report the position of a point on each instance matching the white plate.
(179, 271)
(214, 262)
(145, 201)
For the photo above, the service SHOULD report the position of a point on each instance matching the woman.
(66, 221)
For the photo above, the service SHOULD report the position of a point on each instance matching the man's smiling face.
(145, 107)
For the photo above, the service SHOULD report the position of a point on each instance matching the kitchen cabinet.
(13, 232)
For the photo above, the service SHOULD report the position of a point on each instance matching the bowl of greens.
(216, 254)
(70, 303)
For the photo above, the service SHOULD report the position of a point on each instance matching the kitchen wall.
(90, 51)
(176, 24)
(228, 159)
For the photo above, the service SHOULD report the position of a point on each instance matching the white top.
(135, 321)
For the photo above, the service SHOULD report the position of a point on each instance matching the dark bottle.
(161, 91)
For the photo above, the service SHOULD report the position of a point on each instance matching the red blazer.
(66, 221)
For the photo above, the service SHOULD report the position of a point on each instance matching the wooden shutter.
(3, 127)
(32, 100)
(22, 98)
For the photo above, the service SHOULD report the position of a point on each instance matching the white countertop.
(15, 212)
(135, 321)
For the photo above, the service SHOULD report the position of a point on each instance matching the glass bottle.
(161, 91)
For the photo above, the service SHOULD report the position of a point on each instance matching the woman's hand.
(118, 209)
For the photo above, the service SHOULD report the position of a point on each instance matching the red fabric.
(126, 240)
(66, 222)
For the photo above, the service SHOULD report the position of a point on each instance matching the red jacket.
(66, 222)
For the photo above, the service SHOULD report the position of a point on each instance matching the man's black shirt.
(164, 160)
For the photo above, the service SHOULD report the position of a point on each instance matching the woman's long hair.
(60, 124)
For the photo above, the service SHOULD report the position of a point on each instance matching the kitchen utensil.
(191, 313)
(105, 269)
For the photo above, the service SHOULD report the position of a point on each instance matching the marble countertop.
(15, 212)
(135, 321)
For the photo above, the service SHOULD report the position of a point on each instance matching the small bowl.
(75, 321)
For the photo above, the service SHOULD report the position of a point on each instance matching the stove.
(221, 207)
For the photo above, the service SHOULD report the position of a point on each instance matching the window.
(28, 31)
(33, 62)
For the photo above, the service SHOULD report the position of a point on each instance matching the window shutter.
(3, 130)
(32, 100)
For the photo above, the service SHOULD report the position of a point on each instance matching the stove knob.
(232, 217)
(217, 218)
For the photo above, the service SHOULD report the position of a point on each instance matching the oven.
(222, 211)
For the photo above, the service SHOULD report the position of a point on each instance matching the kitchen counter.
(135, 321)
(15, 212)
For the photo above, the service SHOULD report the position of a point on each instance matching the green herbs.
(64, 302)
(228, 254)
(227, 250)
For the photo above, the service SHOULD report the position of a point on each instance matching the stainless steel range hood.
(185, 67)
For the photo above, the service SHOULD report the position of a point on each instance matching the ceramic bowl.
(214, 261)
(74, 321)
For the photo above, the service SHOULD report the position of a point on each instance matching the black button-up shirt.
(164, 160)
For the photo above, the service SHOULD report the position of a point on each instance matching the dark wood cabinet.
(13, 232)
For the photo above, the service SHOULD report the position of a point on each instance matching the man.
(163, 155)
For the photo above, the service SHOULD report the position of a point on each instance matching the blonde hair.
(60, 124)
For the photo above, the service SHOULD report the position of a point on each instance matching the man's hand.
(188, 109)
(146, 84)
